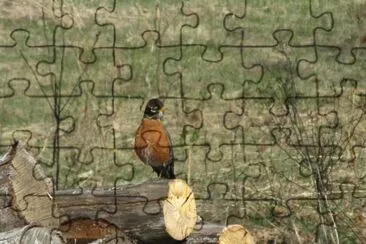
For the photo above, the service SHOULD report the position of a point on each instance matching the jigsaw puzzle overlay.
(266, 105)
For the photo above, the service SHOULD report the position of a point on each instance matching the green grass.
(257, 168)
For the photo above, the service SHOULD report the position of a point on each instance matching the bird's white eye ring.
(154, 109)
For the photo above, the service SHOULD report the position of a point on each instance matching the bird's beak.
(161, 112)
(163, 109)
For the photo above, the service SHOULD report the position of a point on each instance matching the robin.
(152, 142)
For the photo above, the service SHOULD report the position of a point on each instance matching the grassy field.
(266, 111)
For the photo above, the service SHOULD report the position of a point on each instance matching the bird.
(153, 144)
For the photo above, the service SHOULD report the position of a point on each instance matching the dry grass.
(97, 131)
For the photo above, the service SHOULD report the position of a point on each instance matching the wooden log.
(135, 210)
(114, 240)
(32, 234)
(9, 217)
(30, 189)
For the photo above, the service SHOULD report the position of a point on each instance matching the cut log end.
(30, 188)
(179, 209)
(236, 234)
(6, 159)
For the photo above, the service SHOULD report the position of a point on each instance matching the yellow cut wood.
(179, 210)
(236, 234)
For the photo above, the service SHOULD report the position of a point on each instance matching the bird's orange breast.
(152, 144)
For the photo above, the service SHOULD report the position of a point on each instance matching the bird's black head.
(154, 109)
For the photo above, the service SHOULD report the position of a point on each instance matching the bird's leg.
(156, 176)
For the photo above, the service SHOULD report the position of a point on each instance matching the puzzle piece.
(103, 170)
(346, 161)
(66, 84)
(9, 218)
(202, 165)
(150, 74)
(219, 188)
(212, 188)
(211, 132)
(350, 112)
(340, 207)
(329, 71)
(164, 17)
(32, 121)
(19, 63)
(115, 124)
(270, 17)
(273, 171)
(227, 69)
(124, 116)
(279, 79)
(39, 18)
(356, 176)
(255, 121)
(209, 30)
(85, 33)
(304, 123)
(88, 107)
(348, 27)
(177, 119)
(267, 134)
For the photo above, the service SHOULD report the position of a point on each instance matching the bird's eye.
(154, 109)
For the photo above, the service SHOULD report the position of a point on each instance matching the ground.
(266, 101)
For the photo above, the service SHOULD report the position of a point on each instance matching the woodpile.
(157, 211)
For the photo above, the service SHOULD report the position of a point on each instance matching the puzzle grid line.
(214, 121)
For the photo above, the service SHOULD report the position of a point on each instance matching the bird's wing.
(171, 153)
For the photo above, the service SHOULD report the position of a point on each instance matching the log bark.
(29, 187)
(132, 210)
(9, 217)
(32, 234)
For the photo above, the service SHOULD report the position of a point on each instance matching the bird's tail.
(165, 171)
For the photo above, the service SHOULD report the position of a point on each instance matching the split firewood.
(236, 234)
(179, 210)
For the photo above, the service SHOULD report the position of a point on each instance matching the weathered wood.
(114, 240)
(142, 199)
(134, 209)
(32, 234)
(30, 188)
(205, 233)
(9, 218)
